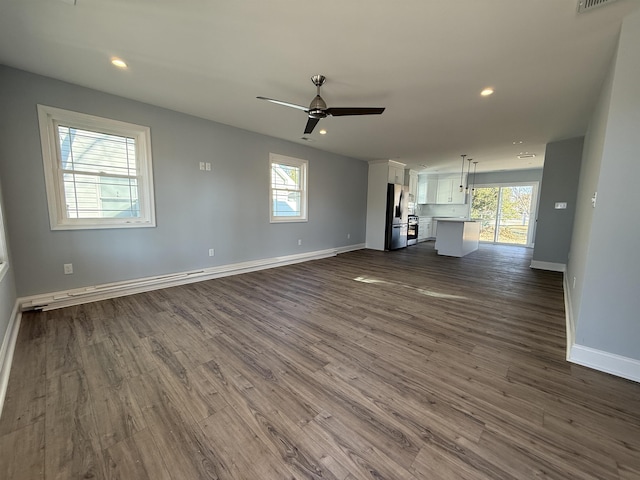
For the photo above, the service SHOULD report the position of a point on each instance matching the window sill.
(288, 220)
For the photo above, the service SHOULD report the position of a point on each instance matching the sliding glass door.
(506, 212)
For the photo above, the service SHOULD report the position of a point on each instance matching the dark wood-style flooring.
(369, 365)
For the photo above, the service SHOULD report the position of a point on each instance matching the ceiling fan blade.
(311, 124)
(341, 112)
(286, 104)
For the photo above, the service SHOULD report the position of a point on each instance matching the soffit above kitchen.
(425, 61)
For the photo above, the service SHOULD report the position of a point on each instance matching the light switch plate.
(561, 205)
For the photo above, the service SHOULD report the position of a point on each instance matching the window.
(4, 255)
(288, 190)
(97, 171)
(505, 212)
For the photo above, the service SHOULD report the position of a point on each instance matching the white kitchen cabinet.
(432, 189)
(422, 189)
(457, 196)
(427, 188)
(448, 190)
(434, 228)
(445, 190)
(396, 173)
(411, 180)
(440, 189)
(424, 229)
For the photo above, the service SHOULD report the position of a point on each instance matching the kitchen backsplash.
(429, 210)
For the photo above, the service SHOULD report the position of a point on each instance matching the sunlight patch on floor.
(429, 293)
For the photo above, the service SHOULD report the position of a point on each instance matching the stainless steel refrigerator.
(397, 217)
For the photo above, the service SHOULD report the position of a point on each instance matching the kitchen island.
(457, 237)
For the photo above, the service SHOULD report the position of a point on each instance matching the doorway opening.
(506, 212)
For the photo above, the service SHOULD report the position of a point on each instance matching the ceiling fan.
(318, 108)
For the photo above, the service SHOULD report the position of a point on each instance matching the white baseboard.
(350, 248)
(569, 318)
(77, 296)
(6, 351)
(617, 365)
(553, 267)
(600, 360)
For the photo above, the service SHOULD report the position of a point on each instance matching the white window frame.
(4, 252)
(303, 165)
(49, 118)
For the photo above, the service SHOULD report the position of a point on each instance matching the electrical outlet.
(348, 236)
(299, 241)
(212, 252)
(201, 165)
(68, 268)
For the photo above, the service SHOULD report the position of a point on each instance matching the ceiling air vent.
(588, 5)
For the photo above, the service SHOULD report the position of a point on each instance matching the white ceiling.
(424, 60)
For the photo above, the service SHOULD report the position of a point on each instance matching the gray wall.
(559, 184)
(511, 176)
(226, 209)
(7, 288)
(604, 250)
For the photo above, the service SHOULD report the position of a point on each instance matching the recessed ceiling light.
(486, 92)
(118, 62)
(323, 132)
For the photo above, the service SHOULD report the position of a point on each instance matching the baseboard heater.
(105, 291)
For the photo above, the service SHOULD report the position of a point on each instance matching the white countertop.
(455, 220)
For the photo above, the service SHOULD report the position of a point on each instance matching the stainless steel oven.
(412, 231)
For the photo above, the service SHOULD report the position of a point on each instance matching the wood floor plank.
(176, 434)
(246, 451)
(72, 444)
(376, 463)
(117, 413)
(588, 438)
(369, 365)
(428, 416)
(521, 458)
(29, 358)
(63, 348)
(22, 453)
(436, 463)
(628, 473)
(136, 457)
(24, 403)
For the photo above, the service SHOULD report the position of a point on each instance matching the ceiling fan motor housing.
(317, 108)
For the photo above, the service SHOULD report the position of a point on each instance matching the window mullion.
(99, 174)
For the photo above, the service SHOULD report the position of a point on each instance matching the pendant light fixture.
(473, 186)
(462, 173)
(466, 190)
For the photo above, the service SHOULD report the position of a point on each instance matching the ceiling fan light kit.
(318, 108)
